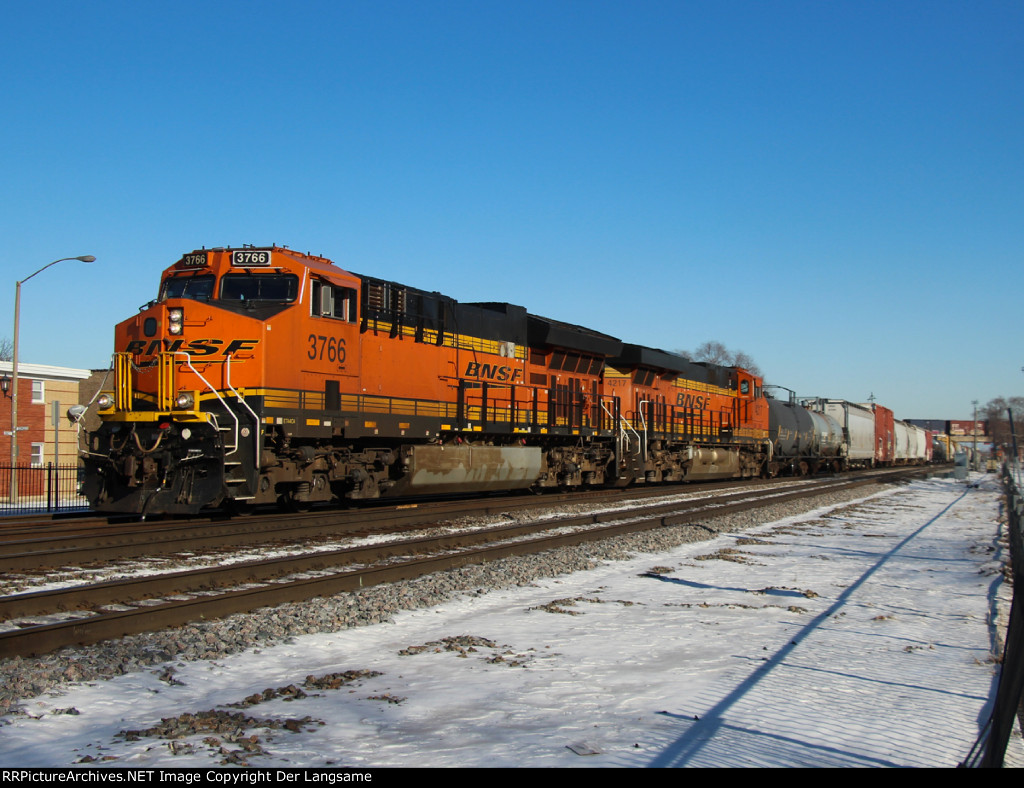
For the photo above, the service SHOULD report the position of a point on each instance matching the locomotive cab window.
(331, 301)
(198, 288)
(259, 287)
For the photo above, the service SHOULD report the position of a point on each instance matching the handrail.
(622, 431)
(240, 398)
(643, 420)
(231, 413)
(123, 393)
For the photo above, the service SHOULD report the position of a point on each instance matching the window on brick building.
(38, 392)
(37, 455)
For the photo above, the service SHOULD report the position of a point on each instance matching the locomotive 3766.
(263, 374)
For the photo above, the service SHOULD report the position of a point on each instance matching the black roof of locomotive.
(491, 320)
(545, 332)
(653, 358)
(494, 320)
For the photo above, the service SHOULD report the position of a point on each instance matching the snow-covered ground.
(856, 636)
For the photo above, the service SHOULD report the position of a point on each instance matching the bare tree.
(713, 352)
(998, 422)
(717, 353)
(741, 359)
(6, 349)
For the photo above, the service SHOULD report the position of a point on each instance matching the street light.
(85, 258)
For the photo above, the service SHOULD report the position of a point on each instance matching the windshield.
(199, 288)
(259, 287)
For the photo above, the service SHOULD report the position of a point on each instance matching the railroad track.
(29, 547)
(152, 603)
(31, 542)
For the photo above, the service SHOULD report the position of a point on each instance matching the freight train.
(262, 375)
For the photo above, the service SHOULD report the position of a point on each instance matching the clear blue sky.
(834, 187)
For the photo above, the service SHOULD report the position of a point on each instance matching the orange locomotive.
(688, 420)
(263, 374)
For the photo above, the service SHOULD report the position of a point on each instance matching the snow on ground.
(856, 636)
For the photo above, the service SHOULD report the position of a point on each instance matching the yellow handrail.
(123, 390)
(165, 384)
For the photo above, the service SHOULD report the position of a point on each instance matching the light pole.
(85, 258)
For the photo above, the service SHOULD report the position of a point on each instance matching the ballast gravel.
(22, 678)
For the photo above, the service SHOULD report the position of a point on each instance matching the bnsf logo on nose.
(197, 347)
(505, 374)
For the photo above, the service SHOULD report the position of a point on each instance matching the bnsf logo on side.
(692, 401)
(197, 347)
(503, 373)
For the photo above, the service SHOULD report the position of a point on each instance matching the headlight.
(175, 319)
(184, 401)
(104, 402)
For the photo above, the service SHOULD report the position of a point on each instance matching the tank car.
(803, 441)
(262, 374)
(944, 448)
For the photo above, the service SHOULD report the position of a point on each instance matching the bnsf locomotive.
(262, 375)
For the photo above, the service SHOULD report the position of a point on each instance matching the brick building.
(39, 386)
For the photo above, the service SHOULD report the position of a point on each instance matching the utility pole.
(974, 432)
